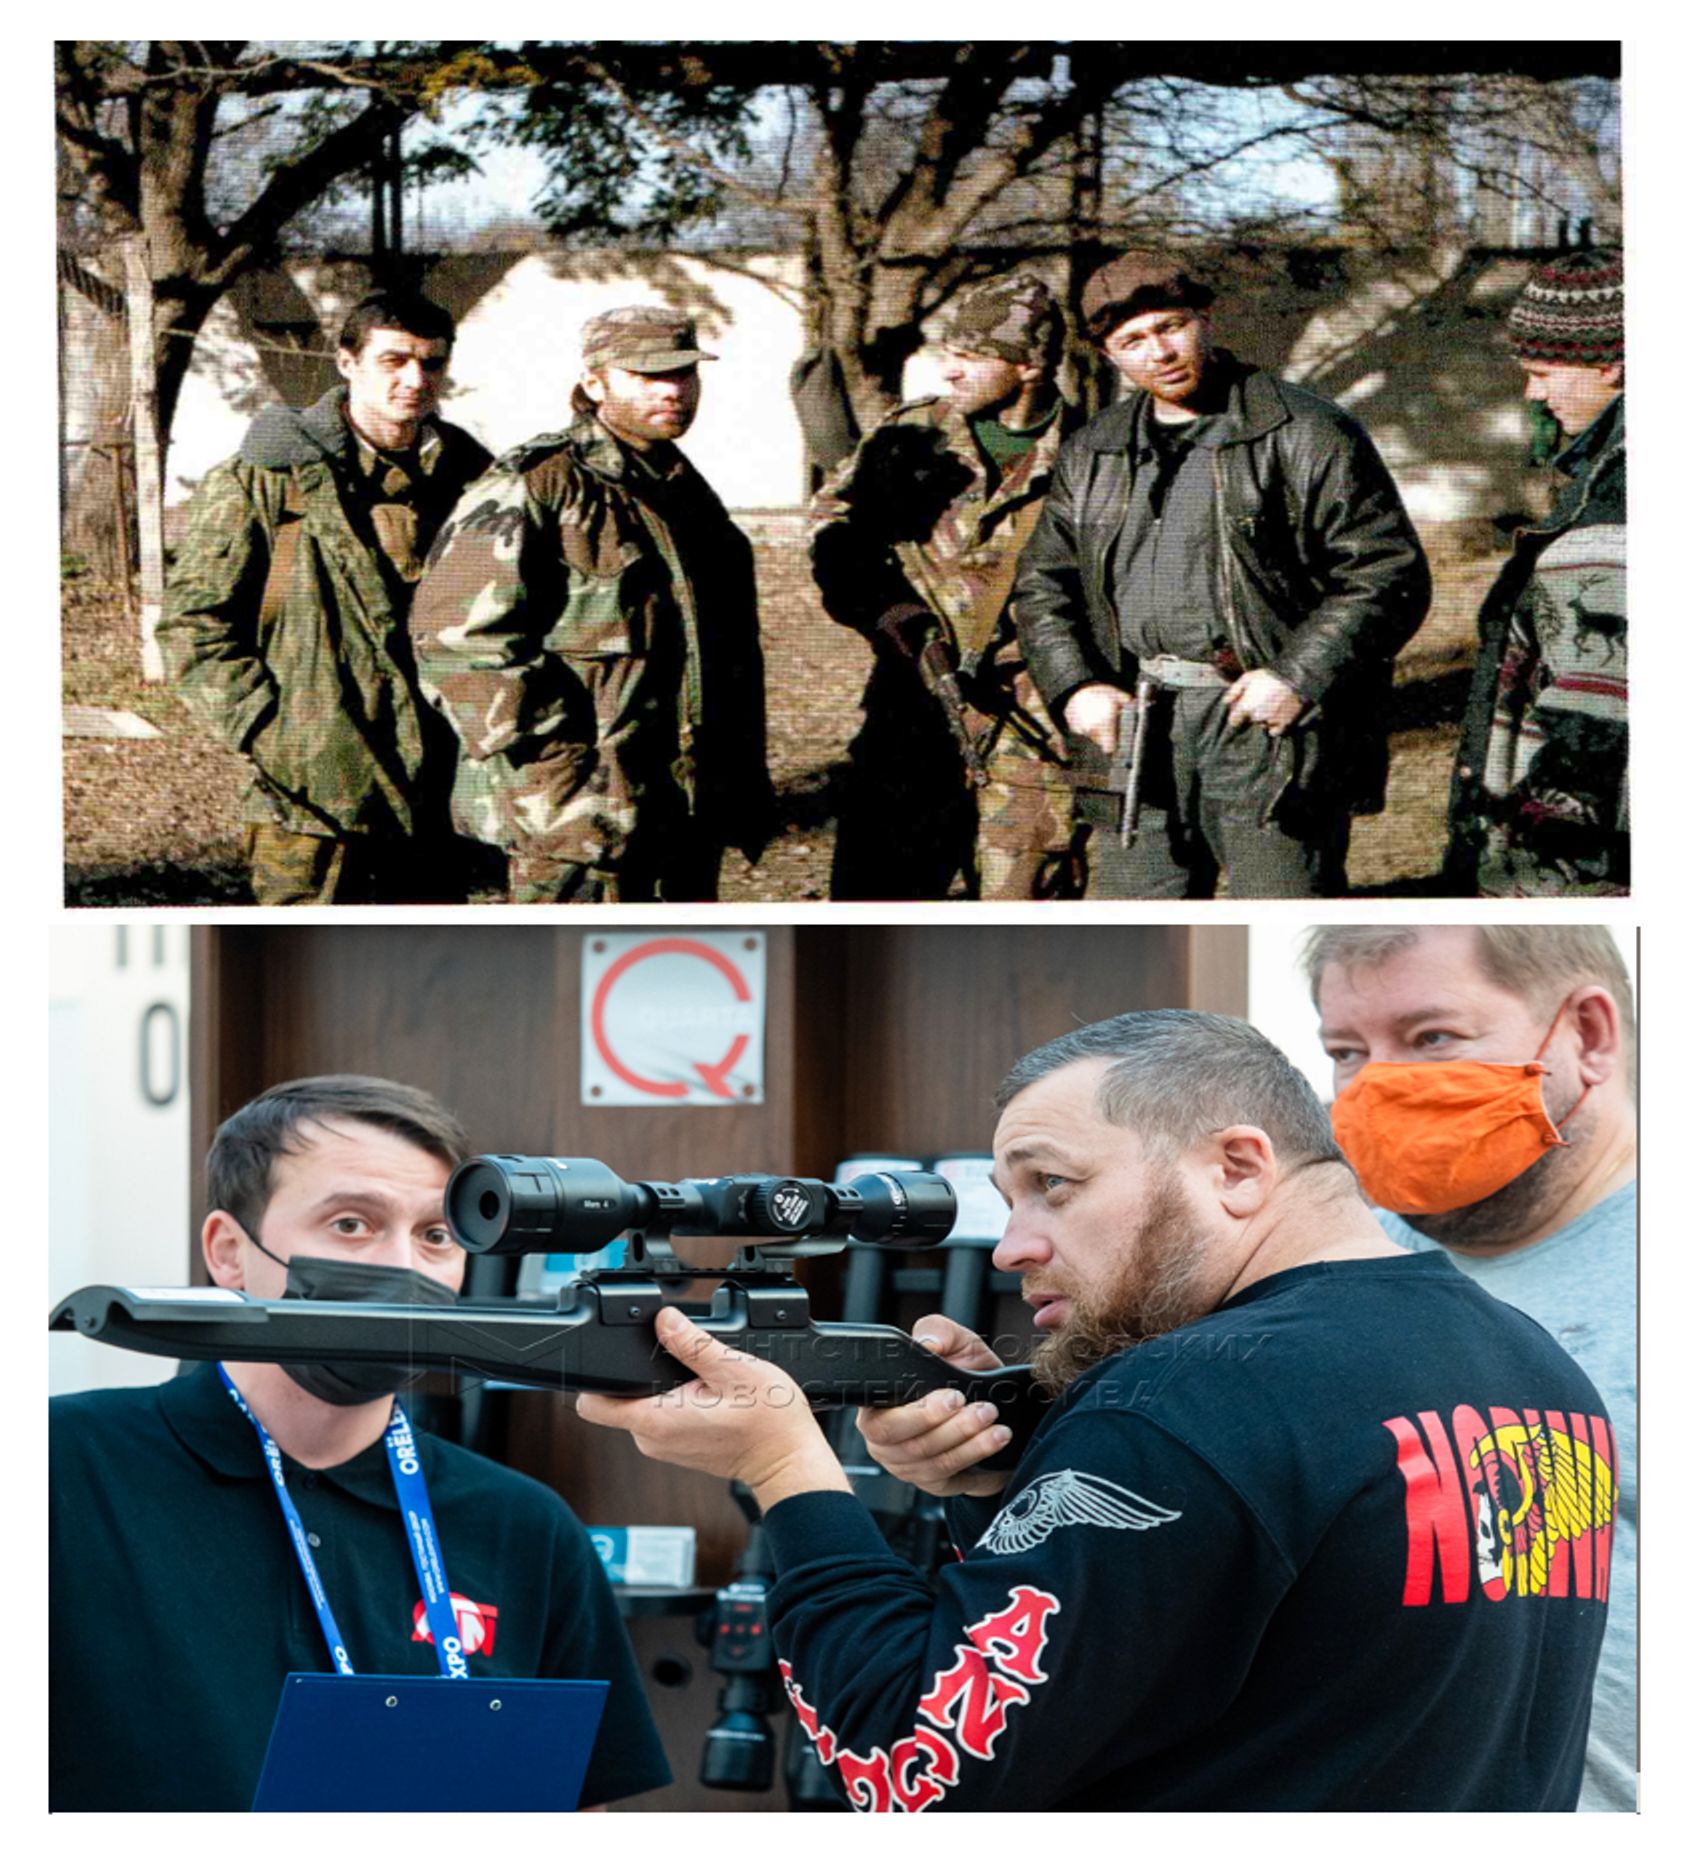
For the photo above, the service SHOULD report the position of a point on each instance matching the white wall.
(118, 1129)
(1388, 339)
(517, 356)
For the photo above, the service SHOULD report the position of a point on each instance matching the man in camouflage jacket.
(915, 544)
(588, 625)
(285, 625)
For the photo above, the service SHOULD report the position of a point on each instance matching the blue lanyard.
(417, 1518)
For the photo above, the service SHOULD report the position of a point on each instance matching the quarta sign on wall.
(672, 1019)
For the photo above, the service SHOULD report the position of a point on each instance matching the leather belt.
(1174, 672)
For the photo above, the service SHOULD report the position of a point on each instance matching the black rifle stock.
(600, 1340)
(597, 1335)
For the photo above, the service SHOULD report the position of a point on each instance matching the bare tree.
(206, 151)
(1499, 159)
(899, 170)
(902, 171)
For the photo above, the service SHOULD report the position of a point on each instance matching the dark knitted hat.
(1016, 319)
(1569, 312)
(1139, 282)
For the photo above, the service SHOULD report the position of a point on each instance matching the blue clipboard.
(428, 1744)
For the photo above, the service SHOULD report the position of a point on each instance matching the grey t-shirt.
(1581, 1285)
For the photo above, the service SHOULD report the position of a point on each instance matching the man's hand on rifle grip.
(740, 1417)
(932, 1442)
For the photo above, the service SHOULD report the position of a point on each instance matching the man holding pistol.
(1211, 606)
(957, 771)
(1311, 1522)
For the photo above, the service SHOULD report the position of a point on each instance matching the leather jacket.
(1320, 574)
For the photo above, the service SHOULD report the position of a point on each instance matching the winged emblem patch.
(1067, 1499)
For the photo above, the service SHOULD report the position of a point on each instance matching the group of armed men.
(1133, 658)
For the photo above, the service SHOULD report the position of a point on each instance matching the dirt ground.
(155, 822)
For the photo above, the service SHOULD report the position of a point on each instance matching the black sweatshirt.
(1343, 1543)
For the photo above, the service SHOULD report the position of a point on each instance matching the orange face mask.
(1436, 1136)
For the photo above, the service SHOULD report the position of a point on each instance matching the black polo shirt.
(176, 1605)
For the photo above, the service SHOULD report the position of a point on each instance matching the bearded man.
(1273, 1543)
(588, 625)
(914, 544)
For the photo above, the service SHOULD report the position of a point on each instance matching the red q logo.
(727, 985)
(476, 1625)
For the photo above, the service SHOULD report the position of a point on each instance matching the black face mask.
(317, 1277)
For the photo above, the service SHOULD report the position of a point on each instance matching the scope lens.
(538, 1205)
(905, 1209)
(476, 1203)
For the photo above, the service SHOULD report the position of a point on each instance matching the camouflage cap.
(640, 338)
(1136, 282)
(1017, 319)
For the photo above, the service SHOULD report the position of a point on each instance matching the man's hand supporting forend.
(932, 1443)
(741, 1417)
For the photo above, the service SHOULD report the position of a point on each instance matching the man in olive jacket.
(588, 624)
(1229, 550)
(286, 619)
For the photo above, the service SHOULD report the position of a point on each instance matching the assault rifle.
(940, 678)
(596, 1334)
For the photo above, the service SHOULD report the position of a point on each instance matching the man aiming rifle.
(1311, 1523)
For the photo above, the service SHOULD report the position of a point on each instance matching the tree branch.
(291, 188)
(683, 148)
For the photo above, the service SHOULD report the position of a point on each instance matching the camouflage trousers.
(1026, 844)
(685, 868)
(912, 828)
(288, 867)
(578, 826)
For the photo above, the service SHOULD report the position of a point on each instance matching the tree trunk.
(178, 318)
(147, 451)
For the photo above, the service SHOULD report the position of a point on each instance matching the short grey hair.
(1175, 1075)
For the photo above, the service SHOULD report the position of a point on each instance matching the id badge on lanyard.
(423, 1545)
